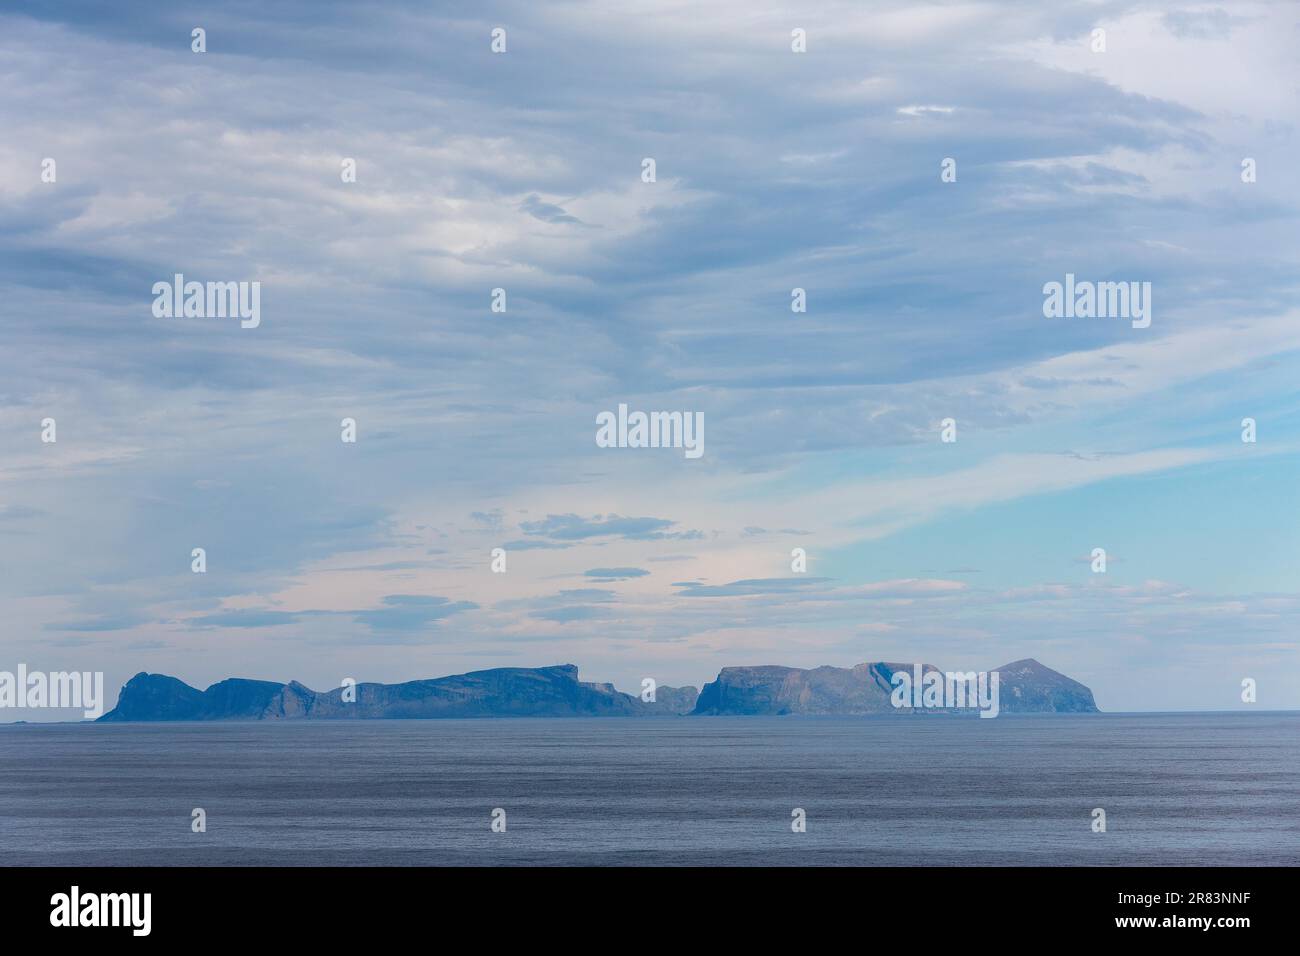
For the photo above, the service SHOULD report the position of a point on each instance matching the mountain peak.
(1030, 662)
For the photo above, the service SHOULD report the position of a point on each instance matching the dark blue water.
(1177, 789)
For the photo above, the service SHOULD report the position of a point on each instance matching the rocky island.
(1026, 687)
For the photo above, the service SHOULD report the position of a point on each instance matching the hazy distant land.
(1026, 686)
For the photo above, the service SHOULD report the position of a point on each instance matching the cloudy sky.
(775, 170)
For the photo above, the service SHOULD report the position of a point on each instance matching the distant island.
(1025, 686)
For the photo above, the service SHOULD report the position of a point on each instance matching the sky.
(774, 170)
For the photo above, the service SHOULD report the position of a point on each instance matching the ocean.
(1177, 789)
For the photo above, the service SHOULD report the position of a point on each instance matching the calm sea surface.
(1177, 789)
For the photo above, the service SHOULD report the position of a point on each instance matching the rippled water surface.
(1177, 789)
